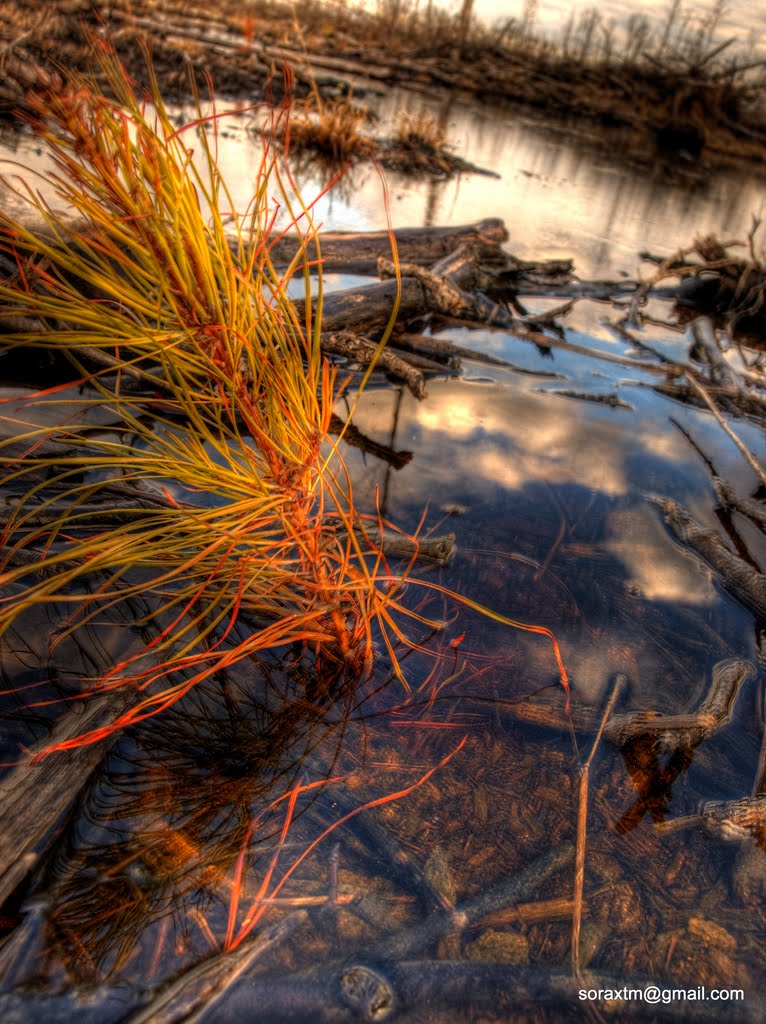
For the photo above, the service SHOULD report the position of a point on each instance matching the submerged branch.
(747, 584)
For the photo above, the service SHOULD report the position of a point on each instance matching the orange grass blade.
(256, 911)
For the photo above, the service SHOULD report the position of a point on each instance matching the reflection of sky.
(476, 444)
(523, 461)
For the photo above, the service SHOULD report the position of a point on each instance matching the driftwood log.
(357, 252)
(450, 271)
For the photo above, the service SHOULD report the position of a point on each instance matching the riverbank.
(694, 103)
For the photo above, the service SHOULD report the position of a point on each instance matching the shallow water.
(548, 496)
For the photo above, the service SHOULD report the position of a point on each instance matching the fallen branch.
(682, 730)
(346, 343)
(439, 924)
(358, 252)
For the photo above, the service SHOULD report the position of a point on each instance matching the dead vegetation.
(673, 89)
(333, 128)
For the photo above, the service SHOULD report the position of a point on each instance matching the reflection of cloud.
(481, 435)
(472, 441)
(637, 539)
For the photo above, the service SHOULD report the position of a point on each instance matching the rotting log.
(368, 309)
(465, 261)
(358, 252)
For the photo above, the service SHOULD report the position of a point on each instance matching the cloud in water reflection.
(483, 445)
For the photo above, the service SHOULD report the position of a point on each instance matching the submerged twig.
(582, 821)
(512, 890)
(745, 583)
(675, 730)
(730, 820)
(198, 990)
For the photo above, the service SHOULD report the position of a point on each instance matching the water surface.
(549, 498)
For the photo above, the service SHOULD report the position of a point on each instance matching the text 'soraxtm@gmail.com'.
(658, 994)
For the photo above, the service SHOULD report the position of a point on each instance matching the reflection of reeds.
(160, 829)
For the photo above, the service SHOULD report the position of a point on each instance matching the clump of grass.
(419, 133)
(244, 399)
(252, 541)
(332, 128)
(419, 145)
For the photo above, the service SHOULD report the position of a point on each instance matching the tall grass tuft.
(247, 538)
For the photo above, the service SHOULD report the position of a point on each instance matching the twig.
(530, 913)
(352, 346)
(746, 583)
(407, 943)
(705, 340)
(582, 823)
(730, 820)
(196, 990)
(731, 500)
(438, 550)
(751, 459)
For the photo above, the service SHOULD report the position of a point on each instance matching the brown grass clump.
(419, 145)
(330, 127)
(419, 132)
